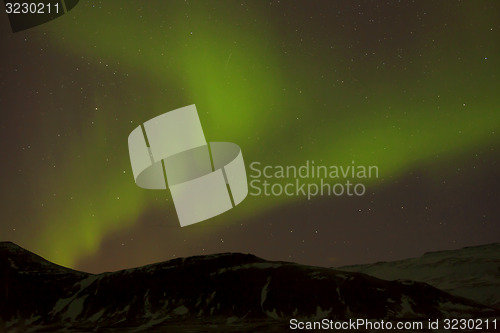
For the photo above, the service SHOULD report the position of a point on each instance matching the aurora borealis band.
(409, 87)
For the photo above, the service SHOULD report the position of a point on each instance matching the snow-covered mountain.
(218, 292)
(471, 272)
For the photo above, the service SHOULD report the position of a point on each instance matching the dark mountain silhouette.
(223, 292)
(472, 272)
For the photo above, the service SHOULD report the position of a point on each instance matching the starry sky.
(411, 87)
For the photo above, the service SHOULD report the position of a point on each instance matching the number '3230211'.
(31, 8)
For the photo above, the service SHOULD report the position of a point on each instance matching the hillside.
(471, 272)
(222, 292)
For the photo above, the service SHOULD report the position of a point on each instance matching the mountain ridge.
(472, 272)
(219, 289)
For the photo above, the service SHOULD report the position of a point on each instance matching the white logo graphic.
(205, 179)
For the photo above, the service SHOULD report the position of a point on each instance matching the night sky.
(411, 87)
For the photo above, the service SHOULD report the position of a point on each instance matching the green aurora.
(333, 88)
